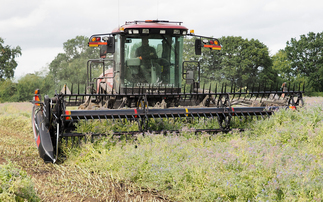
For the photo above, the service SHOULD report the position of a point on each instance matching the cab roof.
(150, 24)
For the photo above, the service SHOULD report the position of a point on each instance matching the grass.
(16, 185)
(278, 159)
(157, 124)
(53, 182)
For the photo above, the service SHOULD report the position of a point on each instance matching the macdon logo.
(154, 85)
(155, 91)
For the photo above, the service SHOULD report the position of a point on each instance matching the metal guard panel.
(166, 113)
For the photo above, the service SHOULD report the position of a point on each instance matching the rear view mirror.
(189, 77)
(197, 46)
(109, 48)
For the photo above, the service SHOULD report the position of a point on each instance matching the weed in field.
(55, 182)
(15, 184)
(279, 158)
(158, 124)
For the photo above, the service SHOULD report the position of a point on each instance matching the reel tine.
(198, 116)
(205, 117)
(258, 91)
(263, 95)
(173, 116)
(191, 92)
(262, 116)
(252, 90)
(233, 93)
(231, 87)
(246, 91)
(112, 88)
(192, 115)
(177, 89)
(180, 118)
(216, 88)
(222, 89)
(133, 86)
(78, 89)
(210, 90)
(269, 92)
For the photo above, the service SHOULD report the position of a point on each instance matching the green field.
(278, 159)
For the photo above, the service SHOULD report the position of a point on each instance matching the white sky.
(40, 27)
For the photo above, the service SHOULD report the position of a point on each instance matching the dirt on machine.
(144, 78)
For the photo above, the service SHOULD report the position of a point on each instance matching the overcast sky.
(40, 27)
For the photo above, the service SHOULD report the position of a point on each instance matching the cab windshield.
(153, 60)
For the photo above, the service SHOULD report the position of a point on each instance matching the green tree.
(24, 88)
(306, 57)
(27, 85)
(8, 63)
(241, 62)
(70, 67)
(282, 65)
(8, 91)
(245, 62)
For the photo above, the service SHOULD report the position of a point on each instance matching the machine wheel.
(42, 136)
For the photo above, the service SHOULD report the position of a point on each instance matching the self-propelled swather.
(148, 79)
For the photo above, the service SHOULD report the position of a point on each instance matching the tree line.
(240, 62)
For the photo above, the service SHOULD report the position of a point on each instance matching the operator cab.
(150, 54)
(152, 60)
(147, 60)
(147, 55)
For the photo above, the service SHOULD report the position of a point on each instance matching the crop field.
(276, 159)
